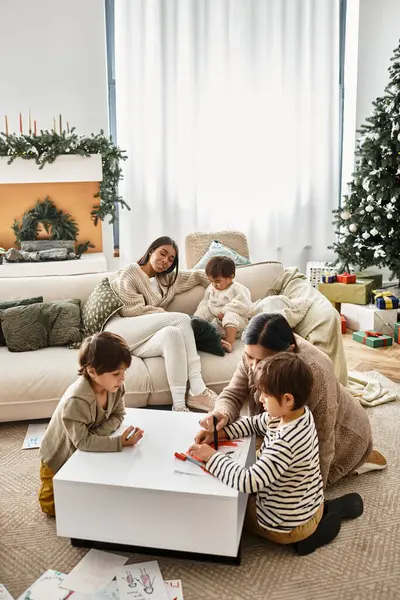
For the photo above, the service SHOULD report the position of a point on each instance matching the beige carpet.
(363, 563)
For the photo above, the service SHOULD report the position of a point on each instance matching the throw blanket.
(294, 310)
(372, 388)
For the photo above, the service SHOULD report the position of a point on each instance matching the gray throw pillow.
(10, 304)
(101, 305)
(41, 325)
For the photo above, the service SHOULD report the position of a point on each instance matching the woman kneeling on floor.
(286, 503)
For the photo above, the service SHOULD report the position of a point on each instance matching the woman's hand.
(208, 422)
(207, 437)
(137, 435)
(202, 451)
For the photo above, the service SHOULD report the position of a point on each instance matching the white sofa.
(31, 383)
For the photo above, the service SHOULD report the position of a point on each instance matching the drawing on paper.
(146, 581)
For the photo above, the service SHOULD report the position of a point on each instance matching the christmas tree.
(367, 224)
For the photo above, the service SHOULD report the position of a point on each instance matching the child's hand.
(202, 451)
(134, 438)
(221, 316)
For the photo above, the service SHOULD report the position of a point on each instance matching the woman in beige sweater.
(146, 288)
(343, 428)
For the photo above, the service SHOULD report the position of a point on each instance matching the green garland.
(48, 145)
(60, 225)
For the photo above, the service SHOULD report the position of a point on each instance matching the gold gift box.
(352, 293)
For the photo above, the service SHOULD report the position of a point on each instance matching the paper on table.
(141, 581)
(46, 588)
(174, 589)
(188, 468)
(34, 435)
(4, 593)
(94, 572)
(109, 593)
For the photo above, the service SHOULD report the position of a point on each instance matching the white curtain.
(228, 110)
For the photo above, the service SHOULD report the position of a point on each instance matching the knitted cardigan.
(134, 289)
(343, 428)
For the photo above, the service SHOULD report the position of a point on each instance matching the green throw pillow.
(12, 304)
(218, 249)
(206, 337)
(101, 305)
(41, 325)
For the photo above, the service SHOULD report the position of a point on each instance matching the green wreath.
(60, 225)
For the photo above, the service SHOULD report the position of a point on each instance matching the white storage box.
(368, 317)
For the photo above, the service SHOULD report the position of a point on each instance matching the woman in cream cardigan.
(146, 288)
(343, 428)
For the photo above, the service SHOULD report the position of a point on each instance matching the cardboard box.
(353, 293)
(372, 339)
(364, 318)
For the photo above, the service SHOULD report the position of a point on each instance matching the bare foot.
(226, 345)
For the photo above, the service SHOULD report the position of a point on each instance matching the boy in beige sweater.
(91, 410)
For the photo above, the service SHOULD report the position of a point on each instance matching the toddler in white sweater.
(226, 303)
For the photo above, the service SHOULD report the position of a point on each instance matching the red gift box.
(346, 278)
(343, 323)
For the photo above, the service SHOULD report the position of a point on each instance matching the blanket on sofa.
(321, 323)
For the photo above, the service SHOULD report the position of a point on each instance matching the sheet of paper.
(34, 435)
(174, 589)
(46, 588)
(94, 572)
(188, 468)
(141, 581)
(109, 593)
(4, 593)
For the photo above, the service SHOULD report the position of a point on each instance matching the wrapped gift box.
(329, 278)
(385, 300)
(373, 339)
(343, 322)
(346, 278)
(397, 333)
(369, 317)
(376, 277)
(354, 293)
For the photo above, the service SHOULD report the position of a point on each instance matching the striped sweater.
(140, 297)
(286, 476)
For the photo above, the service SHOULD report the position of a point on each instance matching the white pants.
(231, 319)
(167, 334)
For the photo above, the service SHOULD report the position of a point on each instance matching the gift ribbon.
(375, 334)
(382, 294)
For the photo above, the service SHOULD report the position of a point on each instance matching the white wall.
(52, 61)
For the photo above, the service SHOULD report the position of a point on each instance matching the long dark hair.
(162, 241)
(271, 331)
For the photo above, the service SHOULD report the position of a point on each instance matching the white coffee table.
(135, 498)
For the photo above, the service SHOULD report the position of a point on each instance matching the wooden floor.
(363, 358)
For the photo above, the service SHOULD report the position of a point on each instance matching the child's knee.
(231, 319)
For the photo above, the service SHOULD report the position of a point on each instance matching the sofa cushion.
(39, 379)
(40, 325)
(101, 305)
(218, 249)
(206, 337)
(12, 304)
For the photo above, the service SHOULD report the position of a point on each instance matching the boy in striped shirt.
(286, 502)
